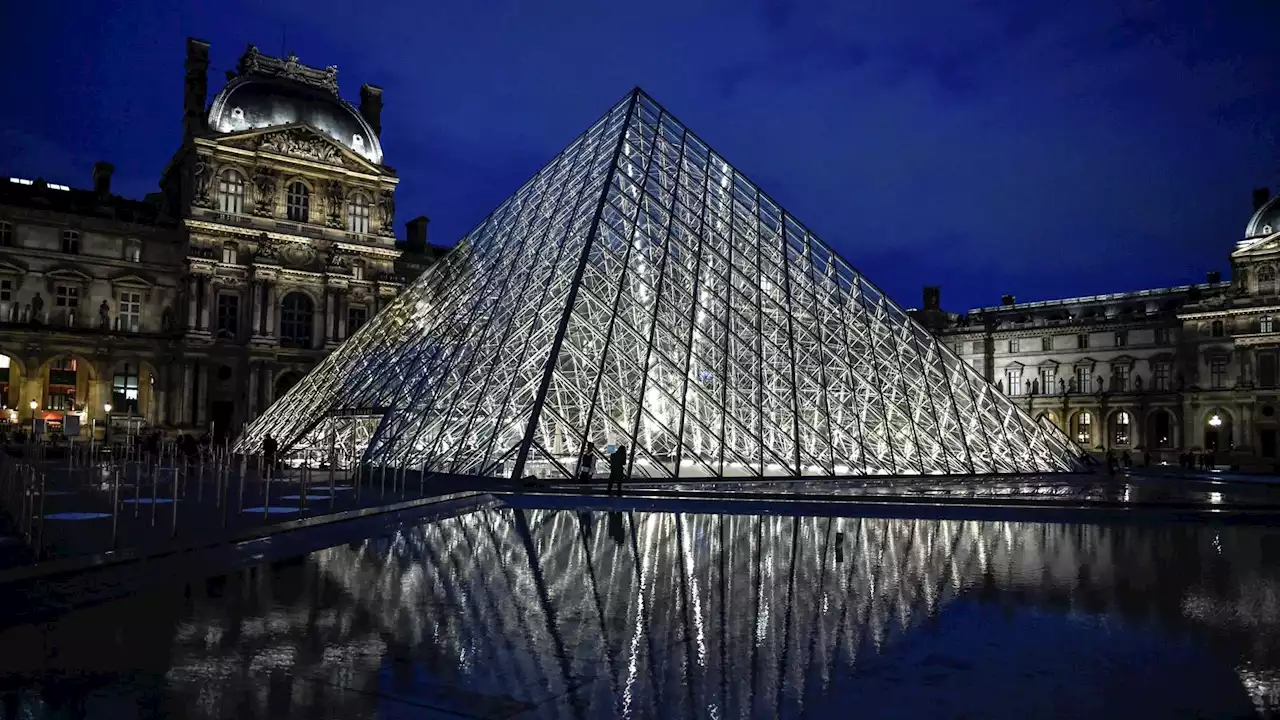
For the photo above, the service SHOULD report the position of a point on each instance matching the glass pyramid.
(639, 291)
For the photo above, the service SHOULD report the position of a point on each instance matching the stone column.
(253, 390)
(185, 407)
(191, 302)
(272, 301)
(202, 397)
(160, 395)
(255, 319)
(342, 318)
(206, 301)
(329, 312)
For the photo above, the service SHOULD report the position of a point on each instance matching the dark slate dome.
(1266, 221)
(252, 102)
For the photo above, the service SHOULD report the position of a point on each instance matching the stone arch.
(118, 383)
(13, 372)
(1122, 428)
(286, 310)
(284, 380)
(1220, 436)
(1160, 434)
(1085, 434)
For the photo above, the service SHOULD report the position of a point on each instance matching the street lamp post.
(106, 427)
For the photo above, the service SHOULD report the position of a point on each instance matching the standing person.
(587, 470)
(269, 448)
(1128, 460)
(617, 467)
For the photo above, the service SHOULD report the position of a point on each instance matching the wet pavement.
(515, 610)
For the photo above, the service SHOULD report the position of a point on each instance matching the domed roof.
(252, 101)
(1266, 221)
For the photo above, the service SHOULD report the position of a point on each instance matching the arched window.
(231, 191)
(124, 390)
(1084, 428)
(1266, 280)
(1120, 430)
(358, 213)
(297, 204)
(296, 312)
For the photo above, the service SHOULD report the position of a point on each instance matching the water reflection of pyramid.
(640, 291)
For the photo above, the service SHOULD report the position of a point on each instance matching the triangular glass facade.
(639, 291)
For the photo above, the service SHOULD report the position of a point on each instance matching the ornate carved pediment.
(1122, 360)
(1085, 362)
(9, 266)
(253, 62)
(1047, 364)
(67, 276)
(302, 143)
(298, 254)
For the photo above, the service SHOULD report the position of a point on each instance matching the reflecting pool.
(508, 610)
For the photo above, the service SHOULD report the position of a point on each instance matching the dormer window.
(71, 242)
(357, 142)
(298, 202)
(358, 211)
(231, 192)
(133, 251)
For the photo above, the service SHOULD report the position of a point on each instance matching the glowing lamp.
(1215, 421)
(106, 407)
(34, 405)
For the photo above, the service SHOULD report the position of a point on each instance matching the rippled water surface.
(525, 612)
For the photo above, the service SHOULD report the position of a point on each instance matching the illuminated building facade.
(1167, 370)
(640, 292)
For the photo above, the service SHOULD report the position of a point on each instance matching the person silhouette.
(617, 468)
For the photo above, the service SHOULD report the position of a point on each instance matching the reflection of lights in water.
(1128, 492)
(1215, 498)
(1217, 542)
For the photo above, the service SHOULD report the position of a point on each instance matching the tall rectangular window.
(133, 251)
(228, 315)
(1122, 338)
(1082, 340)
(71, 242)
(1267, 369)
(1218, 373)
(1048, 380)
(1013, 345)
(130, 317)
(1046, 343)
(1265, 324)
(977, 346)
(124, 390)
(1120, 378)
(6, 233)
(1013, 380)
(6, 290)
(1084, 381)
(356, 317)
(1162, 336)
(1160, 376)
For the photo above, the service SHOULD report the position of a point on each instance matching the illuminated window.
(1082, 341)
(358, 211)
(1084, 428)
(130, 317)
(1046, 343)
(1084, 381)
(298, 202)
(357, 271)
(1218, 373)
(1160, 376)
(1120, 434)
(1013, 380)
(6, 233)
(1048, 380)
(1217, 329)
(356, 317)
(71, 242)
(133, 251)
(1265, 324)
(124, 390)
(229, 253)
(296, 313)
(231, 192)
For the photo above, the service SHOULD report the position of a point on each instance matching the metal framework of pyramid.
(639, 291)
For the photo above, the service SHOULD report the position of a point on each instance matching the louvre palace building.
(271, 240)
(1164, 370)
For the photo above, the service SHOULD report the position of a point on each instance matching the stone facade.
(1168, 370)
(271, 242)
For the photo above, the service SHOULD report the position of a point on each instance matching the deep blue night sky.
(1041, 149)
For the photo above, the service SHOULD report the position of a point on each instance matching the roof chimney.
(197, 86)
(1260, 197)
(1006, 300)
(415, 235)
(932, 297)
(371, 107)
(102, 178)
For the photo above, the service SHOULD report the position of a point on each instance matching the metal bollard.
(40, 530)
(174, 533)
(155, 482)
(115, 509)
(266, 495)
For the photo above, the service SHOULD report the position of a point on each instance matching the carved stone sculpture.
(201, 179)
(334, 203)
(37, 306)
(104, 316)
(266, 182)
(267, 249)
(387, 209)
(303, 144)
